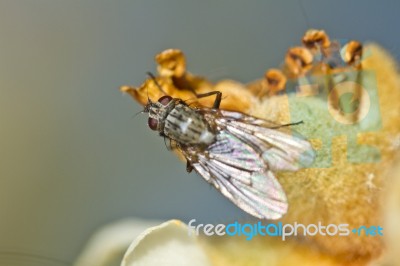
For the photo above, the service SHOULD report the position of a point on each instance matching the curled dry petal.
(177, 83)
(298, 60)
(314, 39)
(352, 52)
(274, 82)
(149, 89)
(171, 63)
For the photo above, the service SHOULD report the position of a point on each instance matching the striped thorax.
(174, 119)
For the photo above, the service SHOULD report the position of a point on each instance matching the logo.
(280, 230)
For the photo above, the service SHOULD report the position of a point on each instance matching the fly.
(236, 153)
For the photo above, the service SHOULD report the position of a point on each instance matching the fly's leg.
(189, 166)
(217, 101)
(287, 125)
(169, 144)
(172, 147)
(169, 147)
(155, 81)
(218, 97)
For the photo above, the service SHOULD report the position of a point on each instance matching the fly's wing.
(240, 163)
(241, 175)
(282, 148)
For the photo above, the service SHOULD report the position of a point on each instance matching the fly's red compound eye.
(164, 100)
(153, 123)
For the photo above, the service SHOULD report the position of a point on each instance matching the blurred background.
(72, 156)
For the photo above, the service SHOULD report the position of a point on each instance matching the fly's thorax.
(187, 126)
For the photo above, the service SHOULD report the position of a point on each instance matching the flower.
(336, 190)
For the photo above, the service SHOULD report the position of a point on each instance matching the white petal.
(107, 246)
(168, 244)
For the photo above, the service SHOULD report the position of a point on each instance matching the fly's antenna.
(140, 112)
(147, 106)
(303, 10)
(148, 98)
(155, 81)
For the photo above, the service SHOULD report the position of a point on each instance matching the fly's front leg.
(189, 166)
(217, 101)
(218, 97)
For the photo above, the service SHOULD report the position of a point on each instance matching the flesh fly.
(236, 153)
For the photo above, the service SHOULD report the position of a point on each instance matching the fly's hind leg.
(288, 125)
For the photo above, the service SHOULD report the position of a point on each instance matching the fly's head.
(158, 111)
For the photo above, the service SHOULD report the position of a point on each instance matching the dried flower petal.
(179, 84)
(352, 53)
(298, 61)
(315, 39)
(171, 63)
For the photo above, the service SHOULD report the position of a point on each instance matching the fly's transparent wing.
(240, 163)
(281, 148)
(238, 171)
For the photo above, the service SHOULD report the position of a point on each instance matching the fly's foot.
(189, 167)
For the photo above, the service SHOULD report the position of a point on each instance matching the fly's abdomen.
(186, 126)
